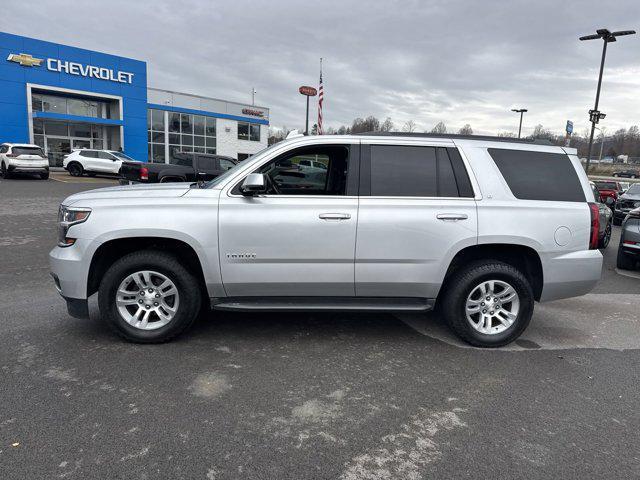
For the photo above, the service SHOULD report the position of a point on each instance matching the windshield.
(122, 155)
(232, 171)
(634, 189)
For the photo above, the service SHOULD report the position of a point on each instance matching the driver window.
(318, 170)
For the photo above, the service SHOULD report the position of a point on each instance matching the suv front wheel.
(488, 303)
(149, 297)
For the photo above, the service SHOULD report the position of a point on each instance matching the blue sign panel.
(26, 61)
(569, 127)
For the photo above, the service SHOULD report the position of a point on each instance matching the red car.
(609, 191)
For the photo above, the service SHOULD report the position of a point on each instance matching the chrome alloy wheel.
(492, 307)
(147, 300)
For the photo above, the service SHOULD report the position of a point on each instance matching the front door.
(298, 239)
(57, 148)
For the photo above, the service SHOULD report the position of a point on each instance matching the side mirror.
(254, 184)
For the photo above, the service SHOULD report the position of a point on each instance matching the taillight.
(595, 226)
(144, 173)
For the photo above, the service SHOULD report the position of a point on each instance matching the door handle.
(452, 216)
(334, 216)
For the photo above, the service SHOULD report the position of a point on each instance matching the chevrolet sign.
(73, 68)
(102, 73)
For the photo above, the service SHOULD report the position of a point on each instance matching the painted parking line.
(628, 273)
(600, 321)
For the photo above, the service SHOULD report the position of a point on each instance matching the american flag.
(320, 98)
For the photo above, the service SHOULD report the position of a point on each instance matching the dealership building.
(64, 98)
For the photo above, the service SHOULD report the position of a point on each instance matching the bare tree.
(387, 125)
(409, 126)
(466, 130)
(439, 128)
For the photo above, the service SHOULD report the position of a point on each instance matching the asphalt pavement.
(306, 396)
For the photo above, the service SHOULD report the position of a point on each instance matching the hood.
(160, 190)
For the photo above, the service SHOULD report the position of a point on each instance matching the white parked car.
(91, 162)
(23, 158)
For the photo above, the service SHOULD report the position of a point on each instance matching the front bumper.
(70, 271)
(570, 274)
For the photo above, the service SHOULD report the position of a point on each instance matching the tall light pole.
(601, 130)
(521, 112)
(253, 95)
(595, 115)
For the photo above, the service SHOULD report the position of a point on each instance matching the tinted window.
(182, 160)
(105, 156)
(226, 164)
(206, 163)
(403, 171)
(539, 175)
(291, 178)
(89, 153)
(27, 151)
(243, 131)
(606, 185)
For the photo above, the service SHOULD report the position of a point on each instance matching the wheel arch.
(522, 257)
(111, 250)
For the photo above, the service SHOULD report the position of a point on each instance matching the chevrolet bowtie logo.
(25, 60)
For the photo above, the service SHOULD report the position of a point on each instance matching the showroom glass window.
(248, 131)
(156, 134)
(83, 135)
(83, 107)
(190, 133)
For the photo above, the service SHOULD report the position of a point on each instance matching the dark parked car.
(606, 217)
(185, 167)
(626, 202)
(629, 248)
(631, 173)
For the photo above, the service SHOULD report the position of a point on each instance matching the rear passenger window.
(539, 175)
(408, 171)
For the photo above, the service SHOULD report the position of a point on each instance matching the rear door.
(417, 209)
(207, 167)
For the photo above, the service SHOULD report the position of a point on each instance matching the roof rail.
(535, 141)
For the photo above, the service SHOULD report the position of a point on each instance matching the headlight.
(68, 216)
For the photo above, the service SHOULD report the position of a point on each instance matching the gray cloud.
(455, 61)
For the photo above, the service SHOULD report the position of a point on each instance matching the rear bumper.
(570, 274)
(28, 167)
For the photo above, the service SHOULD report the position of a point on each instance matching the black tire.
(624, 261)
(188, 289)
(75, 169)
(460, 285)
(606, 238)
(3, 170)
(44, 176)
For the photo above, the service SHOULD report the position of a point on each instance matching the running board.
(304, 304)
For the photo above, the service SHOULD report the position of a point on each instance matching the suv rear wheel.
(75, 169)
(488, 303)
(149, 297)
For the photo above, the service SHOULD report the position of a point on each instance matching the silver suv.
(477, 227)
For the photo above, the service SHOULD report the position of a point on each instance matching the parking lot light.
(595, 115)
(521, 112)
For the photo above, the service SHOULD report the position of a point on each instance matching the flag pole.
(320, 100)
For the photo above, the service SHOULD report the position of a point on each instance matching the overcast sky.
(455, 61)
